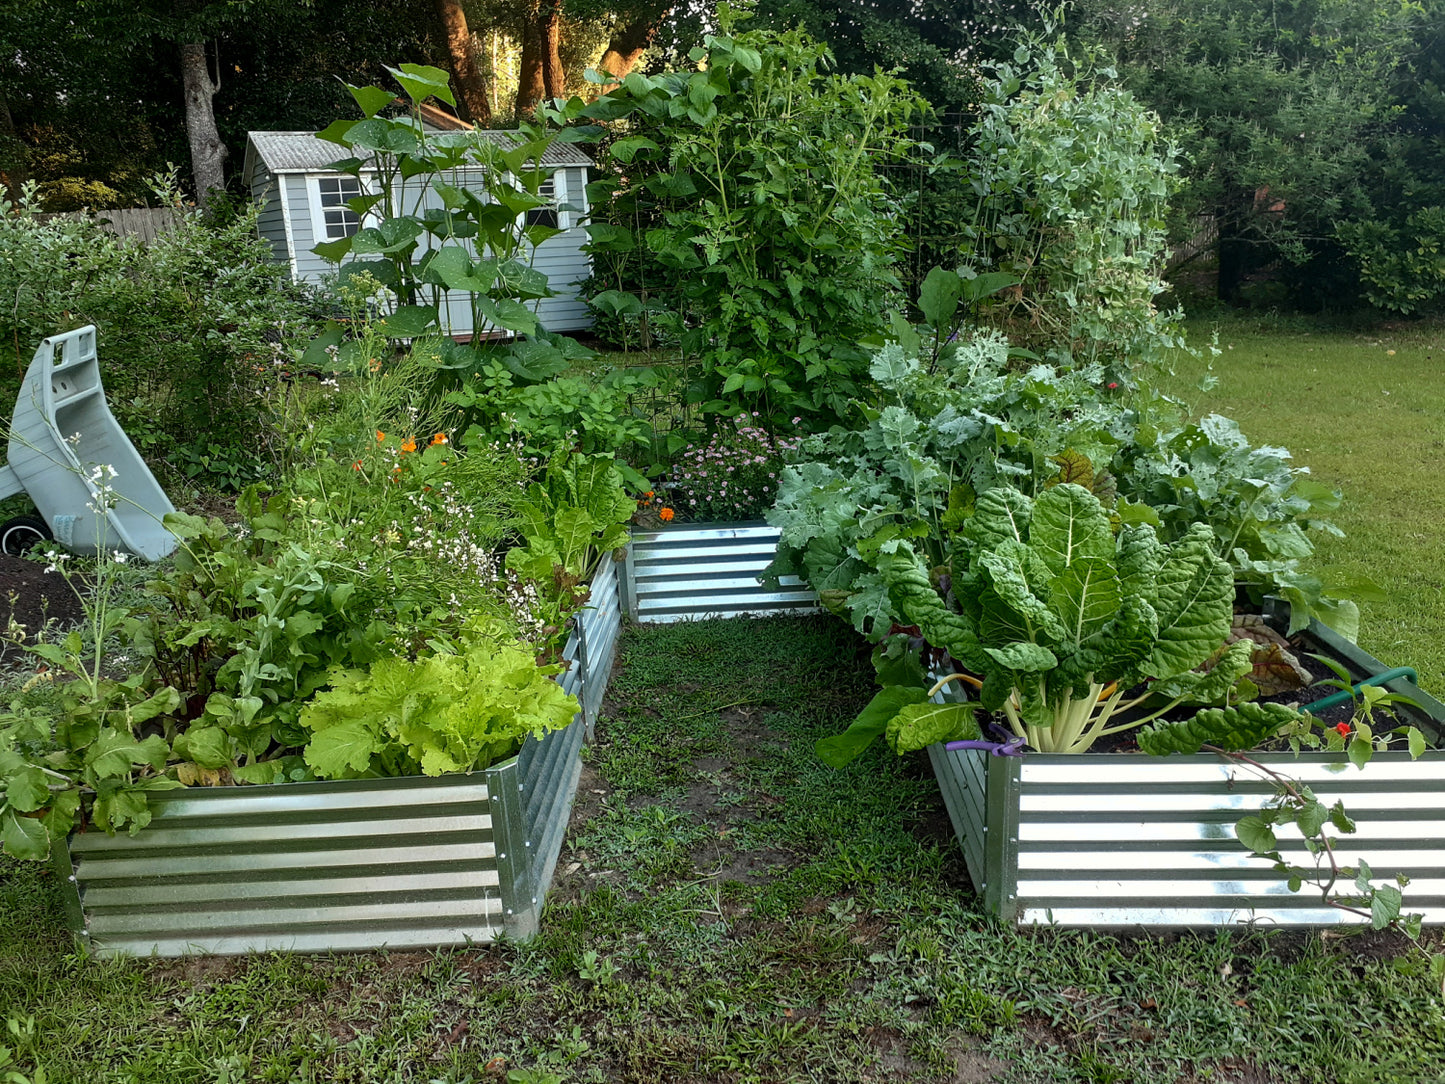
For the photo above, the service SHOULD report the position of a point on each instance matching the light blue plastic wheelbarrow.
(91, 487)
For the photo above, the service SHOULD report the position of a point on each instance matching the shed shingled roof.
(302, 152)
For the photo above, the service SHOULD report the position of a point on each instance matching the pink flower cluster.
(734, 475)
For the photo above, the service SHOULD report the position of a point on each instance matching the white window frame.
(319, 230)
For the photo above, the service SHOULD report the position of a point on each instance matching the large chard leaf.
(1085, 595)
(918, 601)
(1000, 514)
(872, 722)
(1069, 524)
(1195, 603)
(1021, 580)
(1197, 687)
(1139, 555)
(917, 726)
(1238, 728)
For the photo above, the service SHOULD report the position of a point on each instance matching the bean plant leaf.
(939, 296)
(1255, 834)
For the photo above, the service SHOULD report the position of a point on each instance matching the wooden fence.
(143, 224)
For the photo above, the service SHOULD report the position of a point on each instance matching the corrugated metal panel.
(336, 866)
(1124, 840)
(401, 863)
(1127, 840)
(601, 627)
(293, 152)
(694, 572)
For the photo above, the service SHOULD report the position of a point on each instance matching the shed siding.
(271, 222)
(309, 266)
(561, 259)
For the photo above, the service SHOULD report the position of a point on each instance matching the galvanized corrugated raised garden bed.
(1106, 839)
(1123, 839)
(710, 570)
(338, 865)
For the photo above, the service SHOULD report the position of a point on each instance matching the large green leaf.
(392, 236)
(509, 315)
(917, 726)
(28, 789)
(1000, 513)
(408, 321)
(1022, 582)
(872, 722)
(1195, 603)
(24, 837)
(1241, 727)
(1068, 524)
(1023, 657)
(421, 81)
(939, 296)
(1198, 687)
(372, 100)
(342, 750)
(1086, 596)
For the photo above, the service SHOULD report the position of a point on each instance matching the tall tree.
(467, 81)
(177, 32)
(631, 37)
(1280, 108)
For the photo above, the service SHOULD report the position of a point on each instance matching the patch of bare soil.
(33, 598)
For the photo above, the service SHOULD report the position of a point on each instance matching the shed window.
(338, 220)
(545, 216)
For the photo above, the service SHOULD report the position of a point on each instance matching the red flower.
(1113, 386)
(1344, 729)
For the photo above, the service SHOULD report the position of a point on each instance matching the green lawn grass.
(728, 910)
(1365, 411)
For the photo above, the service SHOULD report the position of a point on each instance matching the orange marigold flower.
(380, 436)
(408, 446)
(648, 494)
(666, 515)
(440, 438)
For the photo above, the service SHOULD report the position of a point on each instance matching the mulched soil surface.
(31, 596)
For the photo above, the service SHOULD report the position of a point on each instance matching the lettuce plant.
(1061, 618)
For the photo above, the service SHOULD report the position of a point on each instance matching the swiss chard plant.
(952, 420)
(1058, 619)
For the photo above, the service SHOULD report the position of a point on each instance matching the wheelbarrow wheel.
(21, 534)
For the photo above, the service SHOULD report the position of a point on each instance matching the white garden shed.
(304, 204)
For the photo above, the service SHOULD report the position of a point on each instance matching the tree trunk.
(628, 44)
(471, 87)
(549, 37)
(208, 153)
(1233, 244)
(13, 177)
(531, 87)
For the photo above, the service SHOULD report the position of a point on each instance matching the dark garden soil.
(34, 598)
